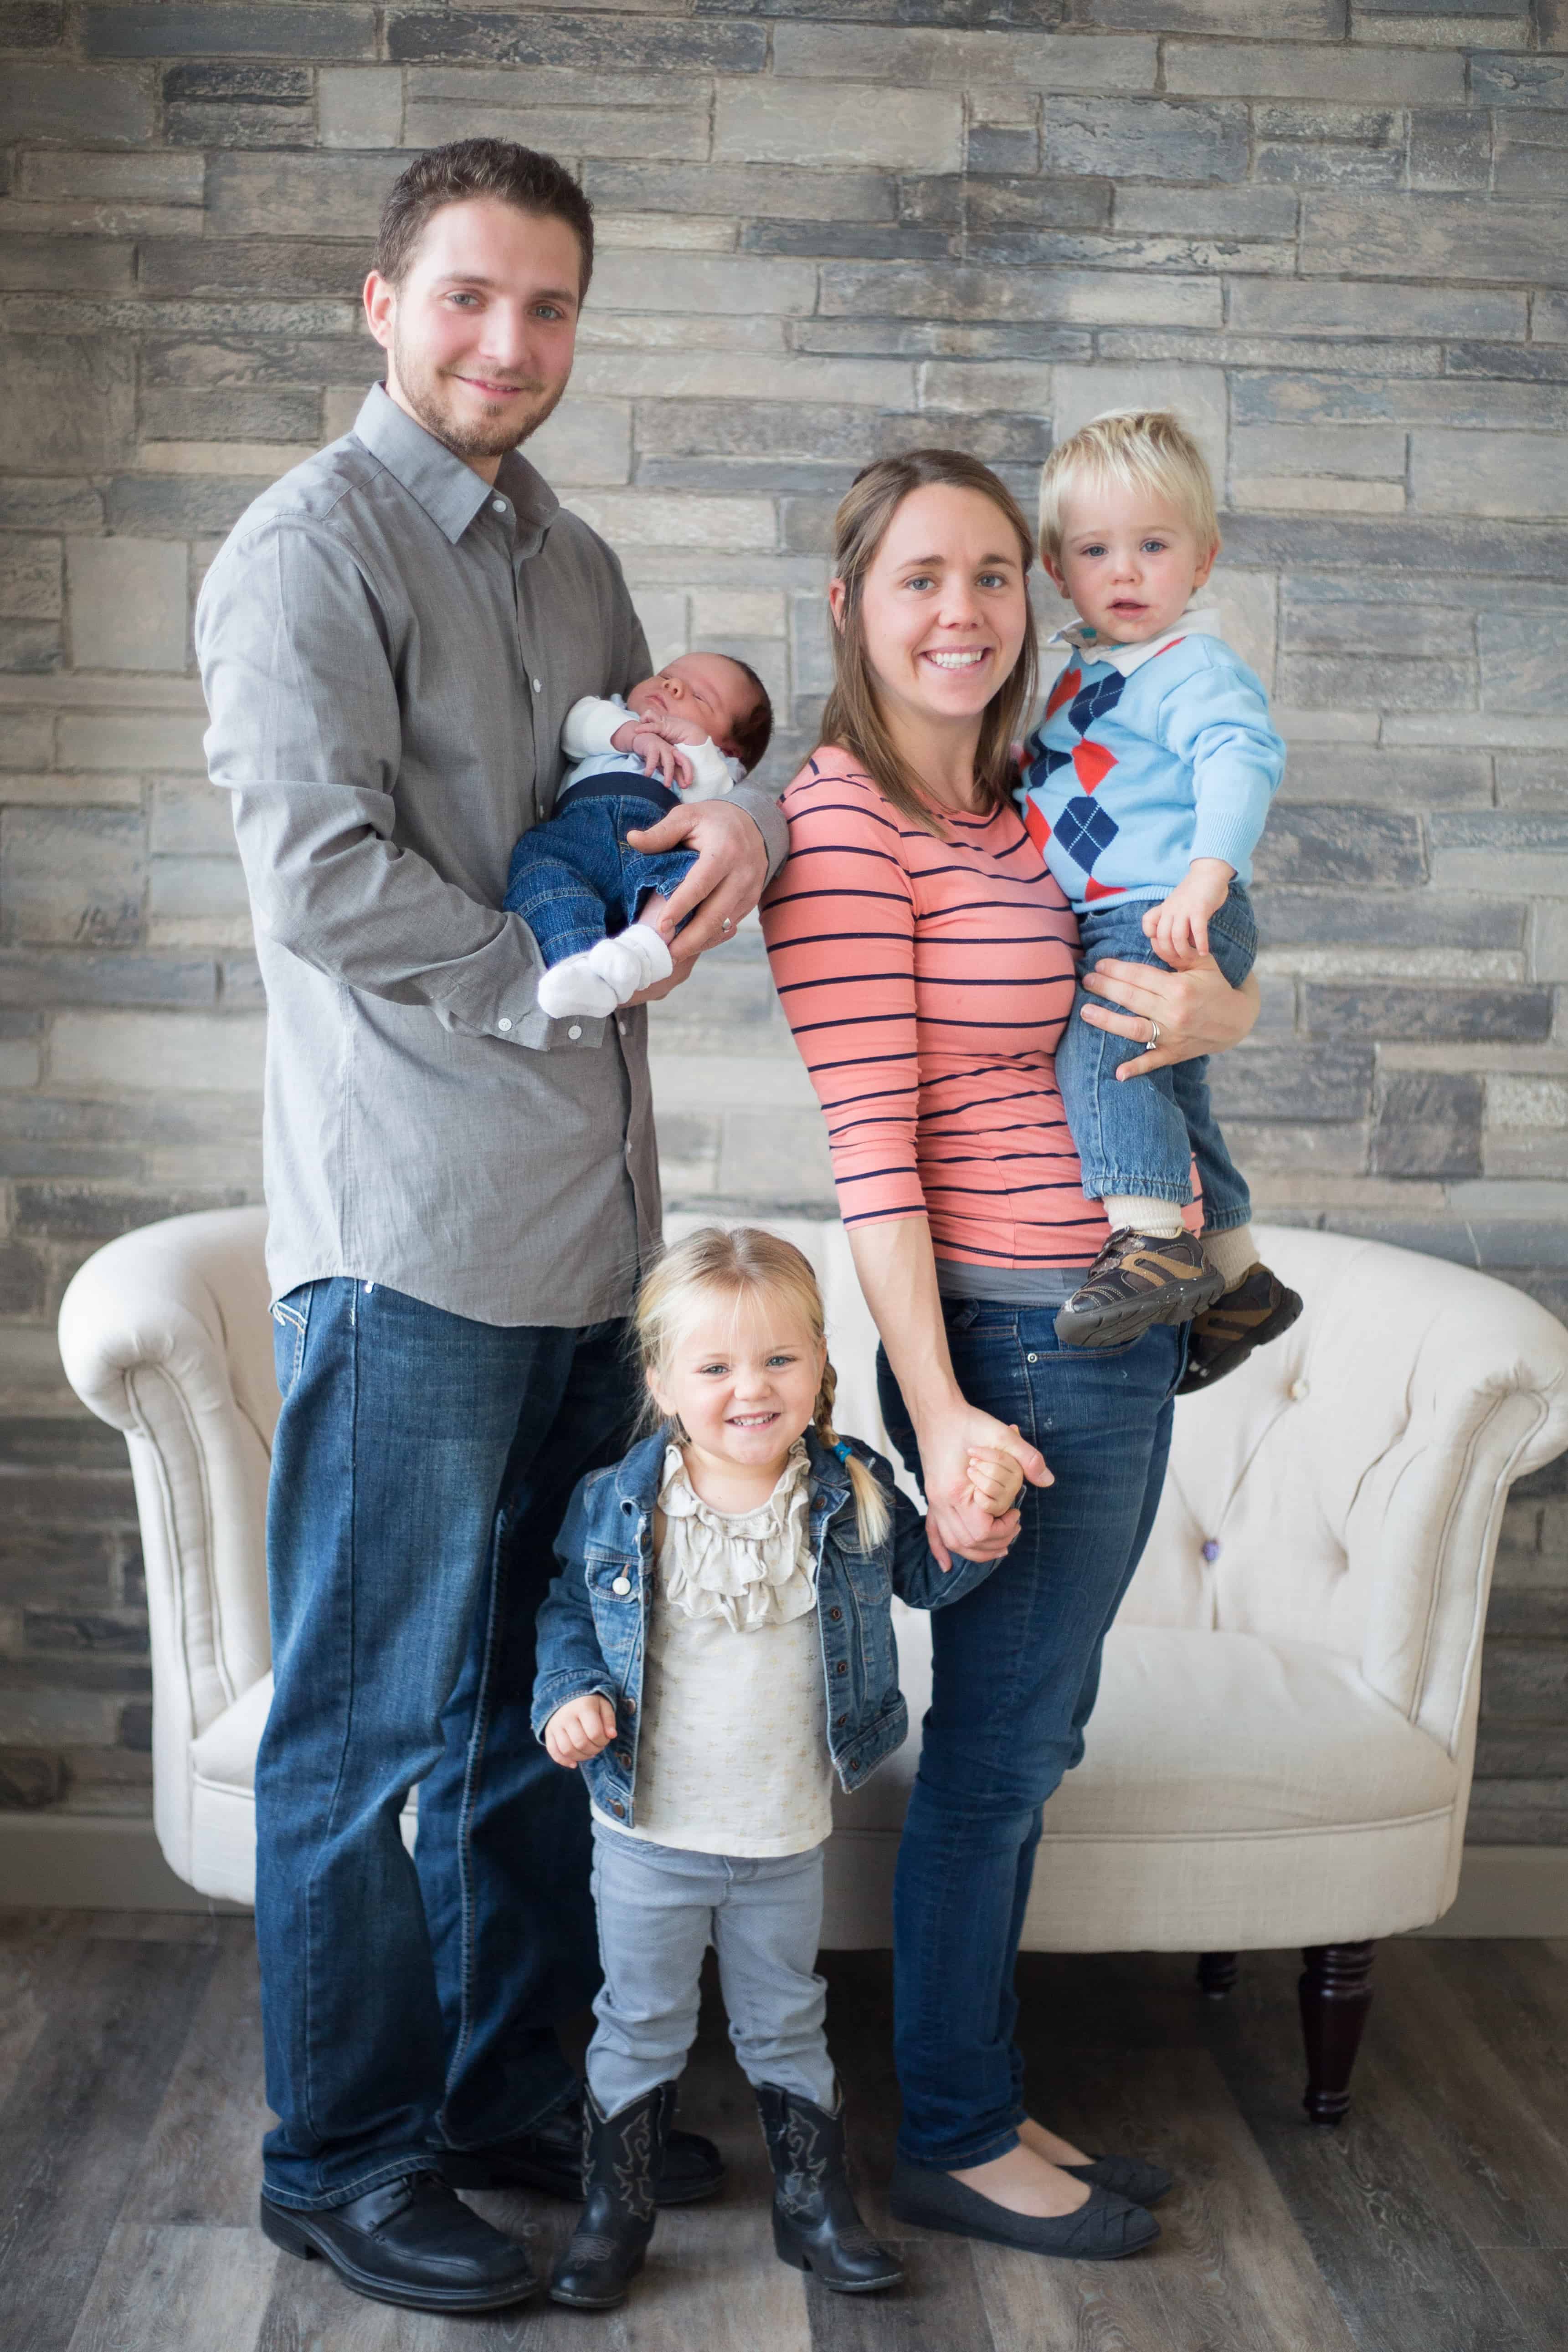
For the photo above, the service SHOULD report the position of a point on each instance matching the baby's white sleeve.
(714, 774)
(590, 725)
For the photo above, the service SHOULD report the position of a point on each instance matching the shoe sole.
(589, 2301)
(1232, 1360)
(902, 2211)
(294, 2239)
(1109, 1327)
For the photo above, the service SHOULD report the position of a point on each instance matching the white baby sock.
(574, 986)
(1230, 1253)
(1162, 1218)
(632, 960)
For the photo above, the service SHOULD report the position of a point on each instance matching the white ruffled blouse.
(733, 1754)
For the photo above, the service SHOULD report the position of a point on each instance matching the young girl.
(719, 1642)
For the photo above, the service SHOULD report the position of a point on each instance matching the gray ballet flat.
(1125, 2176)
(1105, 2230)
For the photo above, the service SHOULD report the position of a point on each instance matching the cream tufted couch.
(1282, 1749)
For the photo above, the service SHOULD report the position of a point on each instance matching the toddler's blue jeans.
(1143, 1137)
(574, 879)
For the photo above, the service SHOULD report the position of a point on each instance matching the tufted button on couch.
(1282, 1749)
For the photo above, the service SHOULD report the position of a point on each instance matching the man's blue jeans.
(573, 878)
(1015, 1674)
(1141, 1138)
(421, 1468)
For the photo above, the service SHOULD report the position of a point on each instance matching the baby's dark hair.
(754, 733)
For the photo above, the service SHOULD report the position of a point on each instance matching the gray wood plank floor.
(1435, 2220)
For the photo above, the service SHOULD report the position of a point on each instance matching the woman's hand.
(1193, 1013)
(957, 1519)
(577, 1732)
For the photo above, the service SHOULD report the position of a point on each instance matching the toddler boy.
(690, 734)
(1146, 787)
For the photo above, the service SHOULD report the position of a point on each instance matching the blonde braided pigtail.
(872, 1517)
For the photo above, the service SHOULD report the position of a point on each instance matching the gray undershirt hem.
(1009, 1286)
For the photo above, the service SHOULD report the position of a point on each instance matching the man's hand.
(576, 1732)
(722, 887)
(1178, 927)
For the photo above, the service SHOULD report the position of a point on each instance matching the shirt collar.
(450, 492)
(1197, 621)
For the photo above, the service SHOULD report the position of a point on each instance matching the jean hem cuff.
(397, 2168)
(1000, 2143)
(517, 2131)
(1137, 1188)
(1227, 1220)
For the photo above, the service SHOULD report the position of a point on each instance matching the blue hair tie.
(842, 1451)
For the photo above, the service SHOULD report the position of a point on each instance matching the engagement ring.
(1153, 1035)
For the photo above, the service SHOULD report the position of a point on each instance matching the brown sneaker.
(1137, 1280)
(1256, 1311)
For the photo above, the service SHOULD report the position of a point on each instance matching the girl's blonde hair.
(853, 715)
(1146, 449)
(745, 1265)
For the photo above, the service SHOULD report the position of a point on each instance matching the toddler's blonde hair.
(745, 1265)
(1144, 449)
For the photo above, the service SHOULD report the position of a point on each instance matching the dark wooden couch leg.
(1216, 1974)
(1336, 1993)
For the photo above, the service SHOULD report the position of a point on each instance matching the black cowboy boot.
(621, 2158)
(816, 2224)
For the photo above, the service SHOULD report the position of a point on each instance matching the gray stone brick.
(359, 107)
(1489, 474)
(1420, 544)
(236, 413)
(288, 196)
(1351, 359)
(1303, 165)
(23, 1280)
(1323, 773)
(1363, 400)
(73, 876)
(917, 338)
(30, 647)
(68, 403)
(912, 56)
(1336, 917)
(851, 240)
(30, 579)
(1293, 19)
(1324, 624)
(1146, 139)
(128, 604)
(26, 740)
(253, 264)
(580, 130)
(1258, 306)
(1070, 296)
(771, 122)
(36, 977)
(1229, 211)
(87, 265)
(1003, 147)
(1008, 200)
(55, 101)
(746, 191)
(1427, 1124)
(173, 29)
(1479, 1015)
(1362, 849)
(1525, 783)
(207, 82)
(621, 45)
(1521, 661)
(31, 24)
(1535, 363)
(1505, 79)
(1294, 1082)
(179, 506)
(142, 741)
(256, 360)
(1360, 77)
(1350, 682)
(1431, 236)
(237, 122)
(1365, 451)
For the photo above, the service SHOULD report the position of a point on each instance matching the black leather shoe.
(610, 2242)
(817, 2224)
(411, 2242)
(1125, 2176)
(549, 2159)
(1103, 2231)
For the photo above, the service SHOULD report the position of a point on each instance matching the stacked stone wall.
(1333, 236)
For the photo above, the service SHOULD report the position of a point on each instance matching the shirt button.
(575, 1030)
(1211, 1551)
(500, 505)
(620, 1024)
(503, 1023)
(539, 686)
(623, 1585)
(1299, 1389)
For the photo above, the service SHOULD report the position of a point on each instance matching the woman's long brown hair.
(853, 715)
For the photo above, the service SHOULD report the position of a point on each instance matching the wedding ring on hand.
(725, 924)
(1153, 1036)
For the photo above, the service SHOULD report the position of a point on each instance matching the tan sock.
(1230, 1253)
(1161, 1218)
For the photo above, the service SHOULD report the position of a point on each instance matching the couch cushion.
(1212, 1734)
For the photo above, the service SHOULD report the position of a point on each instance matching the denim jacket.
(593, 1627)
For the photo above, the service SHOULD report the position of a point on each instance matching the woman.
(924, 957)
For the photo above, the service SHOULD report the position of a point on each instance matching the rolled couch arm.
(165, 1334)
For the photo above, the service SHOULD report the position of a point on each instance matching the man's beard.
(424, 388)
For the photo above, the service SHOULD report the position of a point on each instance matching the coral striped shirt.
(927, 982)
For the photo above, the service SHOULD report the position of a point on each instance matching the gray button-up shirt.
(389, 648)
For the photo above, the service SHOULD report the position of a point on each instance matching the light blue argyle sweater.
(1148, 757)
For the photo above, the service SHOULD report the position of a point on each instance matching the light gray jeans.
(660, 1907)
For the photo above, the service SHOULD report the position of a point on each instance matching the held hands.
(959, 1518)
(1178, 927)
(995, 1480)
(576, 1732)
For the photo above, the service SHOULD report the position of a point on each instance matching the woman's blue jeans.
(1015, 1672)
(421, 1468)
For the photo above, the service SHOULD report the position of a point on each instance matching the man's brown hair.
(853, 715)
(479, 167)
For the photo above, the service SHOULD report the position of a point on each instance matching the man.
(461, 1193)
